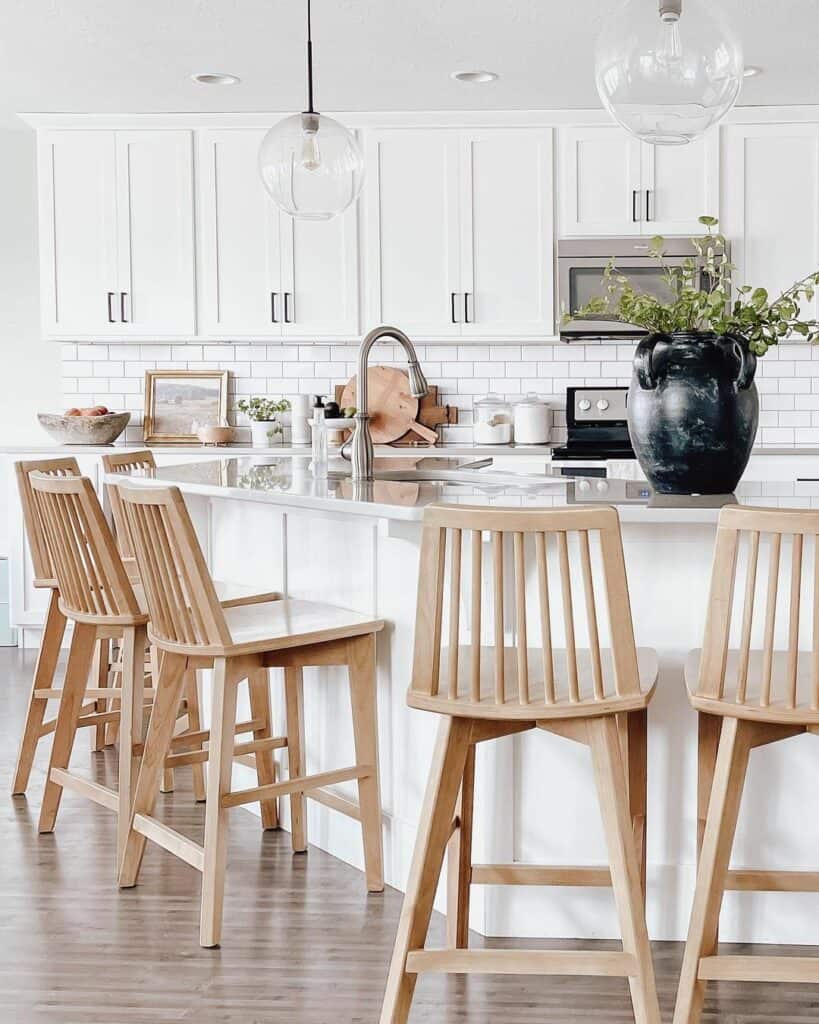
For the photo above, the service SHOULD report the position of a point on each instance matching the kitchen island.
(264, 520)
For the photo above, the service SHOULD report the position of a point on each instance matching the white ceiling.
(111, 55)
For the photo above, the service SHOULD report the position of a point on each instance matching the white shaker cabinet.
(770, 203)
(612, 184)
(116, 233)
(264, 274)
(459, 232)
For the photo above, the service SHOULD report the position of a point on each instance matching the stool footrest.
(85, 787)
(790, 969)
(591, 963)
(335, 802)
(536, 874)
(772, 881)
(199, 756)
(297, 785)
(171, 840)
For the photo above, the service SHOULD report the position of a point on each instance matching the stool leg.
(191, 691)
(445, 778)
(168, 686)
(625, 868)
(76, 679)
(100, 672)
(134, 641)
(362, 672)
(112, 728)
(258, 683)
(637, 769)
(167, 783)
(222, 729)
(294, 698)
(720, 829)
(44, 672)
(459, 861)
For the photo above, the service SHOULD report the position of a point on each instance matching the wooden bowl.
(215, 435)
(88, 430)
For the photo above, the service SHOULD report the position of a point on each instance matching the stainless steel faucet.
(361, 444)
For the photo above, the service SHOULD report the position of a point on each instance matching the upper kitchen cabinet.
(612, 184)
(459, 232)
(264, 274)
(770, 203)
(116, 234)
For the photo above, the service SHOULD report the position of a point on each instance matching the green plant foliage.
(263, 409)
(749, 313)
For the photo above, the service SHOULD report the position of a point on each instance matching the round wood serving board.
(391, 406)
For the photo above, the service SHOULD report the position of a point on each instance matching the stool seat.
(277, 625)
(538, 707)
(752, 709)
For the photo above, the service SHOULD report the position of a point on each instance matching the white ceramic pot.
(265, 433)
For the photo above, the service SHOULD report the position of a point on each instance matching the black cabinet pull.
(466, 308)
(648, 204)
(122, 315)
(288, 319)
(635, 216)
(452, 307)
(110, 310)
(273, 318)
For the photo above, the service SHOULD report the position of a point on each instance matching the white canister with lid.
(532, 420)
(493, 420)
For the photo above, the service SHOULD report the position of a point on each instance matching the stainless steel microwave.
(581, 264)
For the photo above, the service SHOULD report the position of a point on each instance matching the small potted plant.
(263, 413)
(693, 407)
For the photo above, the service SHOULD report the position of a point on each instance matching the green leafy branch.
(702, 298)
(263, 410)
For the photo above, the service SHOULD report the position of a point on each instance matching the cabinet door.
(155, 233)
(413, 258)
(599, 181)
(78, 226)
(320, 276)
(770, 204)
(241, 292)
(680, 184)
(507, 232)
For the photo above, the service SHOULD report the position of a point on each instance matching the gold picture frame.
(177, 402)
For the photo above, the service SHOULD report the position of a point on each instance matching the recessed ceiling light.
(752, 70)
(215, 78)
(474, 77)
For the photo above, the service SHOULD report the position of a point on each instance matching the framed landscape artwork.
(179, 402)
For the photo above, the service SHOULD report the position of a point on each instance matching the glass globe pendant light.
(668, 70)
(311, 166)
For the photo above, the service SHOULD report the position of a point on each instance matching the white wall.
(29, 366)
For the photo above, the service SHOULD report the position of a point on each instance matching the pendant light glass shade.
(666, 70)
(311, 166)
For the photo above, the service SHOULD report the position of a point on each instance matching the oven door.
(581, 278)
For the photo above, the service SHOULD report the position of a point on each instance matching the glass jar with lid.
(532, 420)
(493, 420)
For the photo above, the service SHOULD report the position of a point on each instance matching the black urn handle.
(737, 348)
(646, 366)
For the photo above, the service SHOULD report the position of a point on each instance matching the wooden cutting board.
(430, 415)
(391, 406)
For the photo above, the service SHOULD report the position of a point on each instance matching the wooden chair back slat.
(37, 545)
(506, 667)
(763, 554)
(182, 601)
(124, 462)
(92, 580)
(476, 626)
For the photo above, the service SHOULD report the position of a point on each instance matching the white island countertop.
(408, 482)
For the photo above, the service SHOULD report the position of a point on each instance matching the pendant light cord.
(309, 62)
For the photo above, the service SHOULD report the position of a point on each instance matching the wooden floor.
(301, 943)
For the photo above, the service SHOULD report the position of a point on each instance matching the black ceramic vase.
(693, 411)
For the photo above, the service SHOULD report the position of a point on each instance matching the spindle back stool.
(193, 630)
(751, 686)
(481, 672)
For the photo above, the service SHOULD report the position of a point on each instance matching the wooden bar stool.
(43, 688)
(230, 594)
(192, 630)
(484, 690)
(748, 697)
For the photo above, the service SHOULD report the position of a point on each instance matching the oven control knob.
(583, 486)
(602, 486)
(603, 404)
(584, 404)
